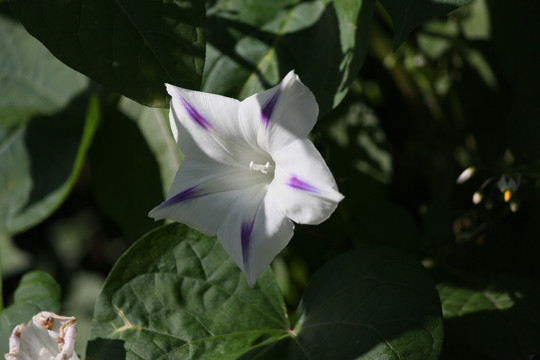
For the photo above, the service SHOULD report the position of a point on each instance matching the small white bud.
(477, 197)
(466, 175)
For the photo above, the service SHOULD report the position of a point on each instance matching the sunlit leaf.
(476, 23)
(251, 47)
(130, 47)
(176, 294)
(495, 319)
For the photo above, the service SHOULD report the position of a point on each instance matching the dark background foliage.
(460, 92)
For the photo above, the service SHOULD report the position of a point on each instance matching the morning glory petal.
(272, 231)
(254, 232)
(196, 120)
(303, 186)
(277, 116)
(200, 186)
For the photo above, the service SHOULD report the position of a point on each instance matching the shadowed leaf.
(130, 47)
(409, 14)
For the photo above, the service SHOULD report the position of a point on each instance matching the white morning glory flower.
(46, 337)
(249, 171)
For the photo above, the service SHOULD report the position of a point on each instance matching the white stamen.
(262, 168)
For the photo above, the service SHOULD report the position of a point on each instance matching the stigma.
(265, 169)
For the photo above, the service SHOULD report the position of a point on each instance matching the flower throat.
(265, 169)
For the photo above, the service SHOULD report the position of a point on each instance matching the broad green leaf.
(494, 319)
(175, 294)
(125, 174)
(154, 126)
(32, 81)
(42, 143)
(130, 47)
(37, 292)
(409, 14)
(253, 45)
(40, 160)
(370, 303)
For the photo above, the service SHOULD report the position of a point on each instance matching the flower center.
(265, 169)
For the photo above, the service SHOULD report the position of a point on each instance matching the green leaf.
(42, 139)
(130, 47)
(32, 81)
(175, 294)
(37, 292)
(494, 319)
(475, 20)
(125, 174)
(154, 126)
(40, 160)
(370, 303)
(12, 259)
(252, 47)
(409, 14)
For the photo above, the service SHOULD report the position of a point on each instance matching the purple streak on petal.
(296, 183)
(195, 115)
(188, 194)
(245, 236)
(268, 108)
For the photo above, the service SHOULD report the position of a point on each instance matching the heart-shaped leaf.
(131, 47)
(176, 294)
(370, 303)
